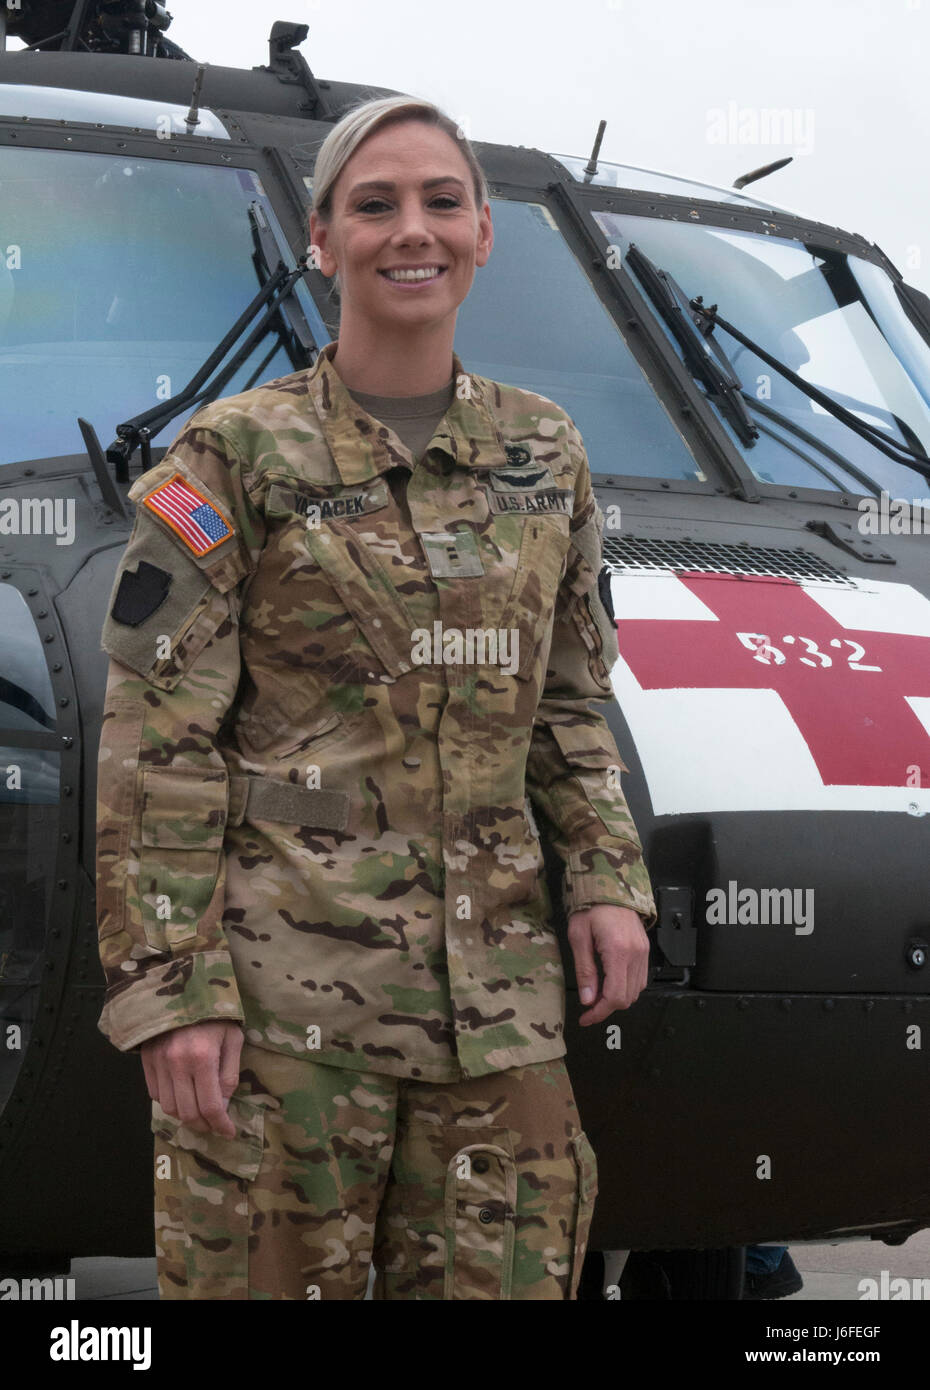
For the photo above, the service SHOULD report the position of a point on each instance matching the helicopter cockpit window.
(533, 319)
(29, 799)
(105, 108)
(834, 320)
(118, 277)
(650, 181)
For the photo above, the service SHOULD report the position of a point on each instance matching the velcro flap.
(265, 798)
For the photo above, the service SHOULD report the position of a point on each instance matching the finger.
(230, 1054)
(642, 974)
(581, 940)
(210, 1100)
(166, 1097)
(626, 972)
(151, 1074)
(614, 989)
(188, 1110)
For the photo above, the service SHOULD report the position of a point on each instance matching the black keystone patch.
(140, 594)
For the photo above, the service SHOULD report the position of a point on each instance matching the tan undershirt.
(412, 418)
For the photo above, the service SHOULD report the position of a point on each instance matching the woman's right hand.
(192, 1072)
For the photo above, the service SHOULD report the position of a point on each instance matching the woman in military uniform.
(352, 641)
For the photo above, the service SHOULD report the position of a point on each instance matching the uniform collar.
(363, 447)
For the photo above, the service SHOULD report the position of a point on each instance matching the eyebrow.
(390, 187)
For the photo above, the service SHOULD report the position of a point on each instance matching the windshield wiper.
(712, 368)
(707, 319)
(691, 317)
(867, 483)
(277, 293)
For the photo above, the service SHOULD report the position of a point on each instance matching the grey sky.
(668, 78)
(680, 86)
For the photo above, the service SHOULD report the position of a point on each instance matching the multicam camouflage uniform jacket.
(315, 785)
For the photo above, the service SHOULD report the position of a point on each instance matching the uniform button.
(376, 622)
(411, 762)
(481, 1165)
(485, 1216)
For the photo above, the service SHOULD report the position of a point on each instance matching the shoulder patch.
(200, 524)
(140, 593)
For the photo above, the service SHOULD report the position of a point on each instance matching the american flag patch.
(198, 523)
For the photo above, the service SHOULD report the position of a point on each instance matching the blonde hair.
(363, 120)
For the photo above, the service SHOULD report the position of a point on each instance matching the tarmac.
(831, 1273)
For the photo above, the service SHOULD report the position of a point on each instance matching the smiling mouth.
(414, 277)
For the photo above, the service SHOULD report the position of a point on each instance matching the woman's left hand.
(618, 936)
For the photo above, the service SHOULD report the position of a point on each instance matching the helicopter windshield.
(118, 276)
(533, 319)
(833, 319)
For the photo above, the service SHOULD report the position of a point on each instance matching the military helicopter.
(753, 389)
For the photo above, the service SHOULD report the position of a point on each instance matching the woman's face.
(404, 200)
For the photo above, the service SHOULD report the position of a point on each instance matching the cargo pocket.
(586, 1169)
(182, 829)
(203, 1203)
(240, 1155)
(480, 1221)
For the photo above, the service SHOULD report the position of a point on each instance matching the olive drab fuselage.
(342, 685)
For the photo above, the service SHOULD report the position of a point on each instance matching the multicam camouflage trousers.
(477, 1189)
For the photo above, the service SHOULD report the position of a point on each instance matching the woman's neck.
(401, 363)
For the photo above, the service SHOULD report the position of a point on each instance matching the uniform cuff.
(187, 989)
(600, 884)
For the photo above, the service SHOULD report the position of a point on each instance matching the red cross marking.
(856, 723)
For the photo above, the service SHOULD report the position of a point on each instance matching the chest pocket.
(530, 513)
(365, 589)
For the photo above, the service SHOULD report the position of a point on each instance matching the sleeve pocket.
(589, 763)
(182, 829)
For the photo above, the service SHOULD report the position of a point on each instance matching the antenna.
(590, 169)
(192, 119)
(742, 181)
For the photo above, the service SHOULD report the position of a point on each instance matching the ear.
(485, 235)
(319, 237)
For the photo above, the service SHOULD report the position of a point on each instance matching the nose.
(411, 226)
